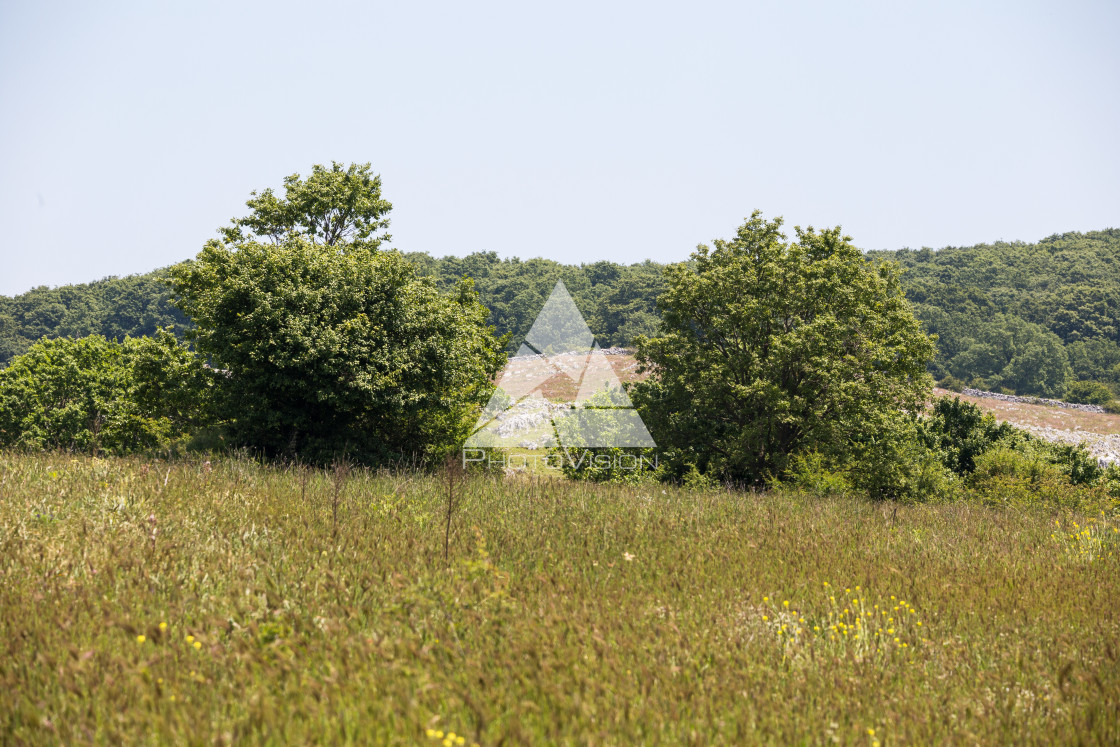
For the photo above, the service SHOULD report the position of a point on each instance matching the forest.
(1025, 318)
(1030, 319)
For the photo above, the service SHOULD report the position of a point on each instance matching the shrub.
(952, 383)
(606, 463)
(1027, 476)
(339, 352)
(333, 346)
(960, 431)
(1089, 393)
(92, 394)
(1022, 464)
(811, 473)
(896, 464)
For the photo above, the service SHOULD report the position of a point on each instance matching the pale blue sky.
(576, 131)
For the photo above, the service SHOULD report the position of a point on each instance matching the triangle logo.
(559, 390)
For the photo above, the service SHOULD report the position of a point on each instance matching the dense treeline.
(1030, 318)
(618, 301)
(1024, 318)
(114, 308)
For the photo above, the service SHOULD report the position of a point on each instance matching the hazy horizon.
(575, 133)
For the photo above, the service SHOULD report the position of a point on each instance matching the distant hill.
(135, 305)
(1013, 316)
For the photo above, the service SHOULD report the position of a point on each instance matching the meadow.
(193, 602)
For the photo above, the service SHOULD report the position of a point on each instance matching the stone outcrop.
(1031, 400)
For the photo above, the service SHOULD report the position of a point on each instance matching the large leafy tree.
(768, 348)
(332, 347)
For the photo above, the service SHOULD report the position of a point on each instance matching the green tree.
(92, 394)
(115, 308)
(960, 431)
(1096, 360)
(335, 207)
(1008, 352)
(334, 349)
(769, 348)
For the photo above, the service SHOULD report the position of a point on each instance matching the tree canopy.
(768, 347)
(334, 206)
(93, 394)
(997, 308)
(331, 347)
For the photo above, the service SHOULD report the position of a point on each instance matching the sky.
(130, 131)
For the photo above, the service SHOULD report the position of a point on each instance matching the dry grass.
(566, 613)
(1043, 416)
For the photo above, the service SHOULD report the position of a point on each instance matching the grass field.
(195, 603)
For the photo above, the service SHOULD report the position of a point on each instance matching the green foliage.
(1036, 473)
(952, 383)
(768, 348)
(1096, 360)
(115, 308)
(997, 458)
(960, 432)
(893, 462)
(998, 309)
(334, 207)
(608, 464)
(1024, 464)
(92, 394)
(812, 473)
(1090, 393)
(1009, 316)
(331, 347)
(338, 352)
(1007, 353)
(617, 301)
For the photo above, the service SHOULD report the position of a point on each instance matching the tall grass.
(198, 603)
